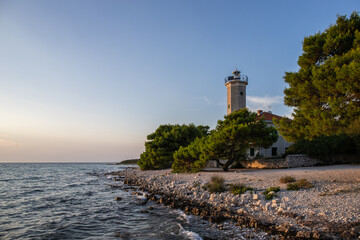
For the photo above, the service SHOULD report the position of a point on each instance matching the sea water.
(77, 201)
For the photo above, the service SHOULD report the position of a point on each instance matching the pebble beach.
(330, 209)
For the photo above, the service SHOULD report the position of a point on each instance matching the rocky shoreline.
(287, 216)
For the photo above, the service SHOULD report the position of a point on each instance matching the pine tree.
(325, 91)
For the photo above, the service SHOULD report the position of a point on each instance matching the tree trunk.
(227, 164)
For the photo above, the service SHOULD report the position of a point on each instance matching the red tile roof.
(268, 116)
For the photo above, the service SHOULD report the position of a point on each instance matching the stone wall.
(264, 163)
(295, 160)
(301, 160)
(291, 161)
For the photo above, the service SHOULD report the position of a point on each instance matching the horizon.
(88, 81)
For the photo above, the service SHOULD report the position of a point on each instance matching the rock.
(256, 208)
(255, 196)
(245, 196)
(316, 235)
(240, 211)
(282, 205)
(285, 199)
(280, 209)
(267, 206)
(275, 200)
(118, 198)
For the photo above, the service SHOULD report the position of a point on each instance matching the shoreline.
(329, 210)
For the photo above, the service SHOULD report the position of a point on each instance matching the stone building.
(236, 99)
(236, 91)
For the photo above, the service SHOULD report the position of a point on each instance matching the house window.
(229, 106)
(252, 152)
(274, 151)
(241, 93)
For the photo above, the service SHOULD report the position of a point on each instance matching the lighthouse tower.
(236, 91)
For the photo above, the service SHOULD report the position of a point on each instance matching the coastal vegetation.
(324, 146)
(300, 184)
(270, 193)
(287, 179)
(161, 144)
(228, 141)
(216, 185)
(325, 91)
(239, 188)
(187, 148)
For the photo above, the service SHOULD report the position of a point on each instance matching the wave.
(191, 235)
(183, 216)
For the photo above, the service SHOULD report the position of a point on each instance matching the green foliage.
(325, 91)
(324, 146)
(228, 141)
(191, 158)
(300, 184)
(292, 187)
(162, 144)
(270, 192)
(354, 131)
(216, 185)
(239, 188)
(287, 179)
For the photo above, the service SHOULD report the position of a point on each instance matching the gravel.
(331, 204)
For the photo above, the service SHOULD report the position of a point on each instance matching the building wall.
(236, 96)
(281, 144)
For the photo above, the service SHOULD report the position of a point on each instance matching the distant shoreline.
(126, 162)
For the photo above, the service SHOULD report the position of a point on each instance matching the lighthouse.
(236, 91)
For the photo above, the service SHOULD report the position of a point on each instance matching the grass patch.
(216, 185)
(292, 187)
(270, 192)
(239, 188)
(300, 184)
(287, 179)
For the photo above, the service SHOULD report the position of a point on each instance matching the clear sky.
(89, 80)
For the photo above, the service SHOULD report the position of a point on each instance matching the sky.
(87, 81)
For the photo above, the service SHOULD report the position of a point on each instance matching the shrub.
(216, 185)
(270, 192)
(292, 187)
(324, 145)
(161, 145)
(239, 188)
(287, 179)
(190, 158)
(303, 183)
(300, 184)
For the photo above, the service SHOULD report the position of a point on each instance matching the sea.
(77, 201)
